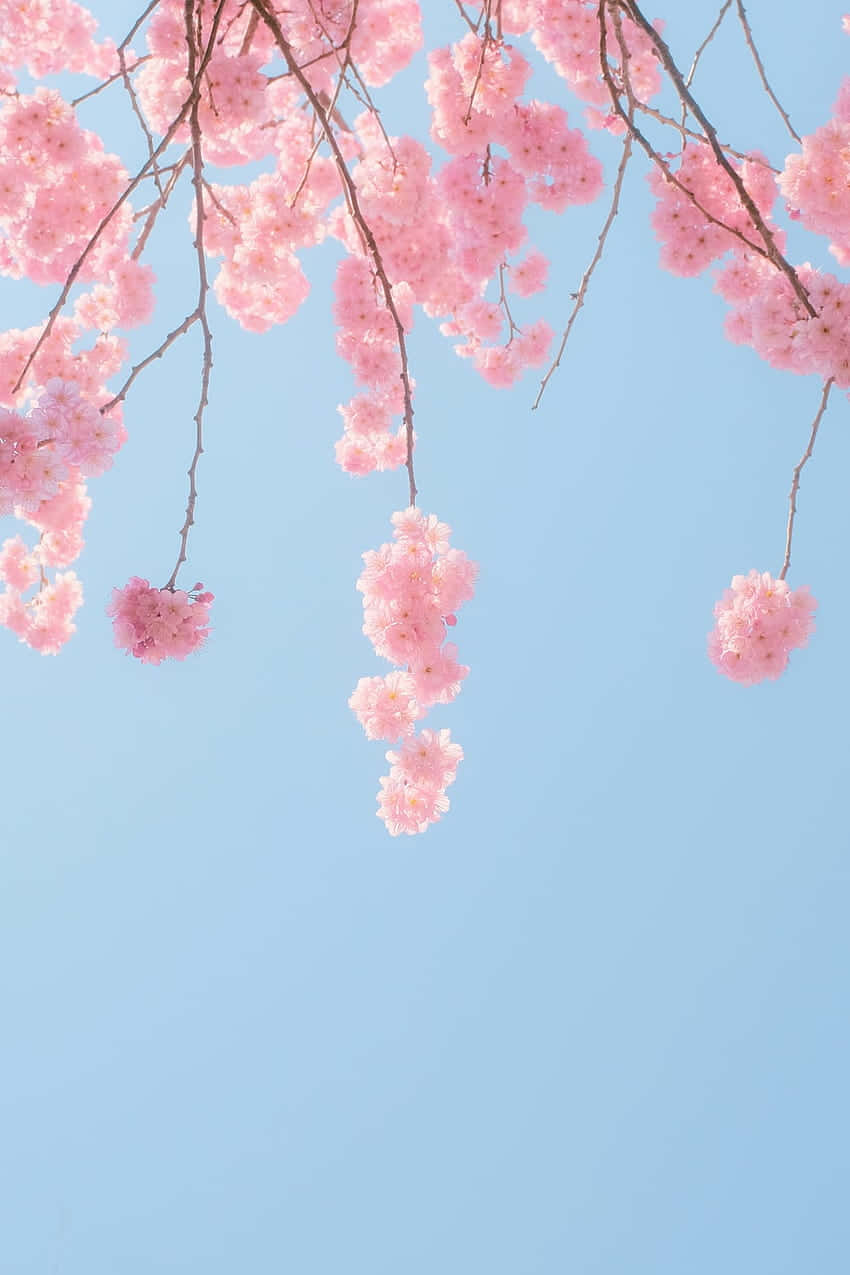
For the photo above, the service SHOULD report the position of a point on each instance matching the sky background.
(593, 1023)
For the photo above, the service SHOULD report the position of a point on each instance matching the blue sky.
(595, 1022)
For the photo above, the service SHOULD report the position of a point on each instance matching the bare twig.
(364, 229)
(157, 206)
(751, 45)
(203, 281)
(473, 26)
(513, 328)
(155, 354)
(104, 84)
(143, 16)
(795, 480)
(707, 41)
(579, 297)
(137, 111)
(689, 134)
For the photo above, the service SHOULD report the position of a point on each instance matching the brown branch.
(250, 30)
(579, 296)
(707, 41)
(122, 199)
(121, 47)
(628, 119)
(473, 26)
(686, 97)
(203, 283)
(363, 227)
(137, 111)
(751, 45)
(485, 42)
(104, 84)
(157, 206)
(795, 481)
(513, 328)
(155, 354)
(689, 133)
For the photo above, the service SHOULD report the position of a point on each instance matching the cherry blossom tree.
(437, 223)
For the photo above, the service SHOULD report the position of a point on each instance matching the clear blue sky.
(594, 1023)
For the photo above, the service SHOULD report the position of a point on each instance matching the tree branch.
(795, 481)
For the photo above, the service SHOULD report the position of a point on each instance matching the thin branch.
(795, 481)
(137, 111)
(686, 133)
(157, 206)
(707, 41)
(513, 328)
(363, 227)
(154, 4)
(579, 296)
(253, 23)
(666, 58)
(751, 45)
(628, 119)
(155, 354)
(485, 42)
(104, 84)
(203, 285)
(473, 26)
(121, 47)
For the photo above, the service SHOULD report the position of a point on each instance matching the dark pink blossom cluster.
(759, 621)
(159, 624)
(44, 457)
(411, 590)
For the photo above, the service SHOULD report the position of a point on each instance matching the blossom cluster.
(446, 232)
(45, 455)
(759, 621)
(816, 182)
(159, 624)
(411, 590)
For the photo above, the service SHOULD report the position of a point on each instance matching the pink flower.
(759, 622)
(157, 624)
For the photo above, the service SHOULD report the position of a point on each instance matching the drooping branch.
(150, 358)
(579, 297)
(627, 116)
(686, 97)
(798, 469)
(364, 229)
(203, 288)
(724, 9)
(151, 213)
(751, 45)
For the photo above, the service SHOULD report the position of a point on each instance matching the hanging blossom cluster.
(159, 624)
(759, 622)
(412, 589)
(797, 321)
(45, 455)
(441, 228)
